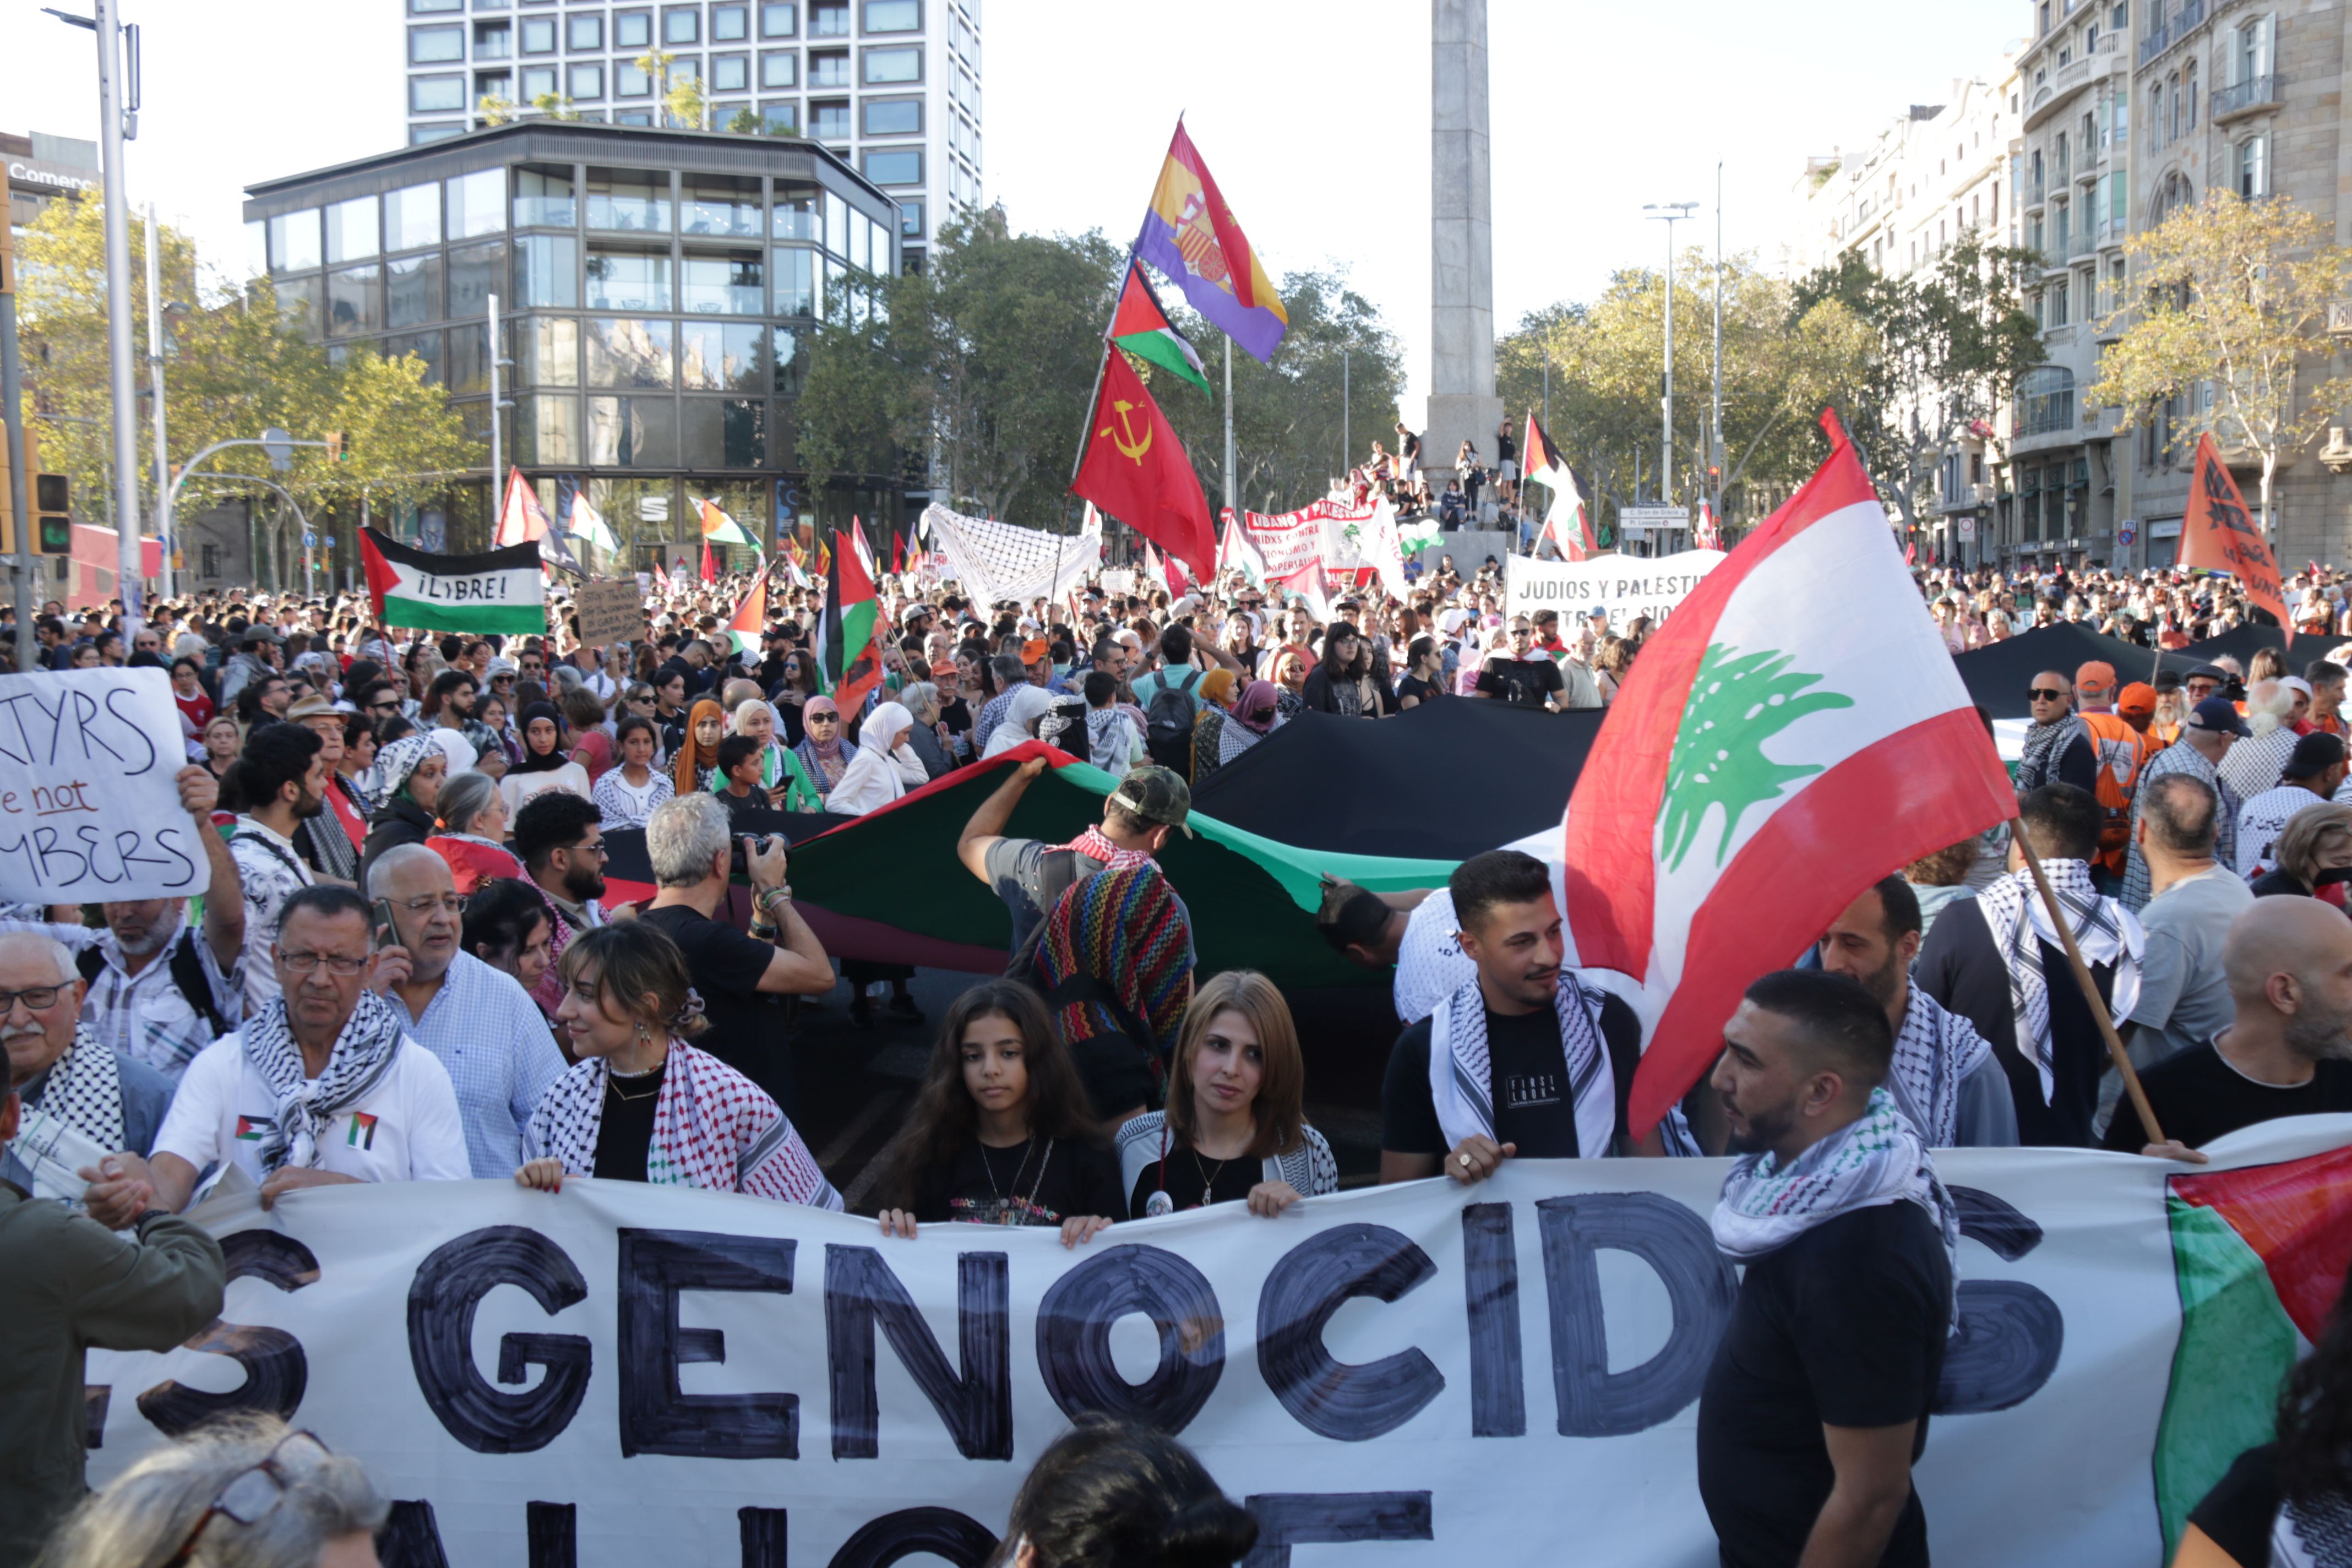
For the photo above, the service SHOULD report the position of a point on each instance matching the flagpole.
(1094, 401)
(2090, 988)
(1231, 505)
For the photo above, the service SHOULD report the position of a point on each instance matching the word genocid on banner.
(89, 811)
(655, 1370)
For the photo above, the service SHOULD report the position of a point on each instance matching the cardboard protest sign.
(88, 809)
(2219, 535)
(1624, 586)
(610, 612)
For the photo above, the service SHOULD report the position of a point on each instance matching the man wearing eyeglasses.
(323, 1084)
(2057, 747)
(89, 1099)
(479, 1021)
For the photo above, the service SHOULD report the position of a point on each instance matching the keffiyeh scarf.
(83, 1088)
(2315, 1534)
(1106, 740)
(713, 1129)
(2105, 931)
(393, 764)
(357, 1066)
(2045, 744)
(1876, 1160)
(1461, 1074)
(1933, 1052)
(1095, 846)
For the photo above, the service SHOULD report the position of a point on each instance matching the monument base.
(1452, 417)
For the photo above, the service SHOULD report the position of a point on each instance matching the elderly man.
(2253, 764)
(479, 1021)
(330, 841)
(82, 1100)
(2211, 730)
(742, 980)
(322, 1084)
(2057, 747)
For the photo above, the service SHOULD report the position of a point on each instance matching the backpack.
(1168, 723)
(187, 970)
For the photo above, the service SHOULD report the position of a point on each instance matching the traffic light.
(52, 514)
(339, 445)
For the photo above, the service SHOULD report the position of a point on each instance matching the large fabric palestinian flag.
(1569, 521)
(1793, 733)
(497, 591)
(1142, 327)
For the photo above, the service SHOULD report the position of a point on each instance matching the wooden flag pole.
(2090, 987)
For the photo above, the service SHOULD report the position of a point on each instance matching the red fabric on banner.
(1135, 469)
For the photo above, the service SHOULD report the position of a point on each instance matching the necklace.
(1207, 1182)
(1029, 1203)
(612, 1084)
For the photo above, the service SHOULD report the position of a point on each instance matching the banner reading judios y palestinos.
(1625, 585)
(496, 591)
(1507, 1374)
(2219, 535)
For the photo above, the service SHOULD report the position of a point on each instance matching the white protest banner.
(1624, 586)
(88, 809)
(996, 561)
(1479, 1374)
(1289, 544)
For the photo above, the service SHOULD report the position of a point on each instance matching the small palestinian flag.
(363, 1132)
(847, 648)
(496, 591)
(253, 1129)
(751, 618)
(1142, 327)
(1569, 523)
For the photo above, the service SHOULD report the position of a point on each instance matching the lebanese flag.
(1793, 732)
(1135, 469)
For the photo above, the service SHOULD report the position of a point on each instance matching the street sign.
(279, 445)
(1640, 519)
(310, 539)
(1967, 533)
(328, 544)
(2126, 530)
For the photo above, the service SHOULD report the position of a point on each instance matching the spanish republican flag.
(1192, 236)
(1136, 470)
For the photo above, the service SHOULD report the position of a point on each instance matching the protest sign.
(1117, 580)
(1477, 1375)
(88, 809)
(610, 612)
(1624, 586)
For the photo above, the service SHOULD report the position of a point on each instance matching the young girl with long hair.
(1001, 1131)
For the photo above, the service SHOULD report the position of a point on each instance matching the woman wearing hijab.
(1209, 726)
(1029, 704)
(884, 768)
(1254, 717)
(698, 747)
(411, 770)
(786, 782)
(544, 766)
(821, 754)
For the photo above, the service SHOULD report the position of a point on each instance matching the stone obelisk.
(1461, 401)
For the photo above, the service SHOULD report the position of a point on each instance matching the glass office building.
(656, 293)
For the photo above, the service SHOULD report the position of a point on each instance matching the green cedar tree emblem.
(1737, 701)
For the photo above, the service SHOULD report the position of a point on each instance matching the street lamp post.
(155, 313)
(1715, 453)
(1668, 213)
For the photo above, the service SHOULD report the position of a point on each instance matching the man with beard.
(2288, 1049)
(279, 782)
(85, 1100)
(1815, 1407)
(1943, 1076)
(559, 839)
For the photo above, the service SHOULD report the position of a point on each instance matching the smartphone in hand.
(387, 931)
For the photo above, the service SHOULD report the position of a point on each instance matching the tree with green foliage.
(2231, 295)
(554, 105)
(1943, 348)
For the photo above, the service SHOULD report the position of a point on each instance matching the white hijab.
(1029, 704)
(884, 766)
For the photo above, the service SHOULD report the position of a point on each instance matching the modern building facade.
(891, 87)
(43, 169)
(655, 288)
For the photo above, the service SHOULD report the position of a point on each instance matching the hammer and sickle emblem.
(1126, 441)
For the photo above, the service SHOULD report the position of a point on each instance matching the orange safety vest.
(2122, 753)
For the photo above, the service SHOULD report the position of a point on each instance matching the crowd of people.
(408, 967)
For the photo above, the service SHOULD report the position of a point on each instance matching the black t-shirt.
(1193, 1181)
(2239, 1514)
(1962, 969)
(1529, 1084)
(1417, 688)
(1844, 1326)
(1039, 1181)
(1521, 682)
(747, 1027)
(626, 1133)
(2197, 1097)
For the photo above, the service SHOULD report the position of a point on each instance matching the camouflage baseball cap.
(1156, 795)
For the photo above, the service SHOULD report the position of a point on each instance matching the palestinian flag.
(661, 578)
(497, 591)
(1142, 327)
(1796, 727)
(1569, 523)
(718, 527)
(846, 652)
(751, 618)
(2259, 1254)
(586, 523)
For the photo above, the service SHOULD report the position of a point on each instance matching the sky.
(1313, 114)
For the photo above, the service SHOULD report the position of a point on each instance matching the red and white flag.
(520, 517)
(1795, 731)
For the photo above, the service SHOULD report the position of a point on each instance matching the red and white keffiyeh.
(1095, 845)
(713, 1129)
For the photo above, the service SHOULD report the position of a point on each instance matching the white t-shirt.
(1430, 965)
(409, 1130)
(517, 788)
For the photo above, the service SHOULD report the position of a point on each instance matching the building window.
(830, 121)
(632, 431)
(894, 15)
(539, 35)
(720, 204)
(588, 82)
(476, 272)
(537, 81)
(633, 117)
(587, 31)
(896, 166)
(294, 241)
(779, 20)
(631, 81)
(893, 66)
(618, 199)
(551, 352)
(492, 84)
(910, 219)
(731, 73)
(2249, 54)
(894, 116)
(418, 135)
(829, 18)
(412, 217)
(730, 24)
(2188, 92)
(413, 290)
(435, 45)
(435, 94)
(795, 213)
(2254, 166)
(779, 69)
(351, 230)
(493, 40)
(352, 306)
(628, 352)
(2045, 400)
(547, 430)
(297, 303)
(478, 203)
(712, 357)
(795, 282)
(682, 25)
(627, 280)
(682, 67)
(723, 433)
(633, 29)
(434, 7)
(828, 67)
(546, 270)
(781, 119)
(722, 285)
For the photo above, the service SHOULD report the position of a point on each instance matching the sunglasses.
(2044, 693)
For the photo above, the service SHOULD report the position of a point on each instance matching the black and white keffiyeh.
(994, 562)
(357, 1066)
(2315, 1534)
(1461, 1075)
(1934, 1051)
(2045, 746)
(2105, 931)
(1877, 1159)
(83, 1088)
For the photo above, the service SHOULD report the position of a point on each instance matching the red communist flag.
(1136, 470)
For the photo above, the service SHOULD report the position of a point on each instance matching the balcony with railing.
(2167, 31)
(2256, 92)
(2046, 402)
